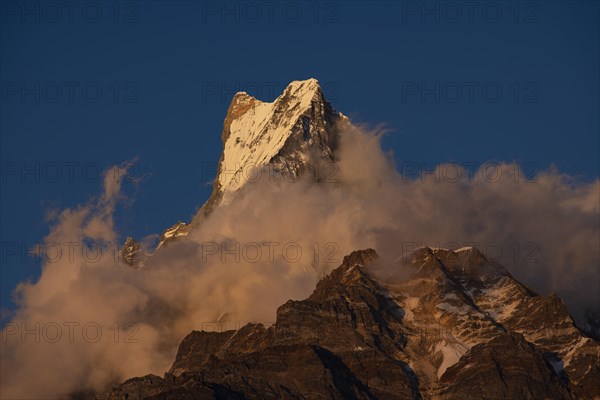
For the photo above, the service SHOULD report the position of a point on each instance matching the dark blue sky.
(99, 84)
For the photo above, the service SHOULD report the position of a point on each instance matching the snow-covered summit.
(258, 133)
(295, 132)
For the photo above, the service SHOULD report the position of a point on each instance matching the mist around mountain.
(315, 270)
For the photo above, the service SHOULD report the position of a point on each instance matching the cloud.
(273, 243)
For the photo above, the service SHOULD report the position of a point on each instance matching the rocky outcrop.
(438, 334)
(132, 253)
(506, 367)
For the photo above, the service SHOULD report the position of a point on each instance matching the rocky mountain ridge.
(459, 327)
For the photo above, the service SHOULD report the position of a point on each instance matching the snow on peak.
(304, 91)
(255, 131)
(467, 248)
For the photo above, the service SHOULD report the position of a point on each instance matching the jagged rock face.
(470, 301)
(132, 253)
(172, 233)
(506, 367)
(460, 327)
(339, 343)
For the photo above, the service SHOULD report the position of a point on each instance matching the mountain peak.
(295, 132)
(287, 135)
(304, 90)
(256, 132)
(301, 91)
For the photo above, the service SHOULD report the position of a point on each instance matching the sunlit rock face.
(284, 138)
